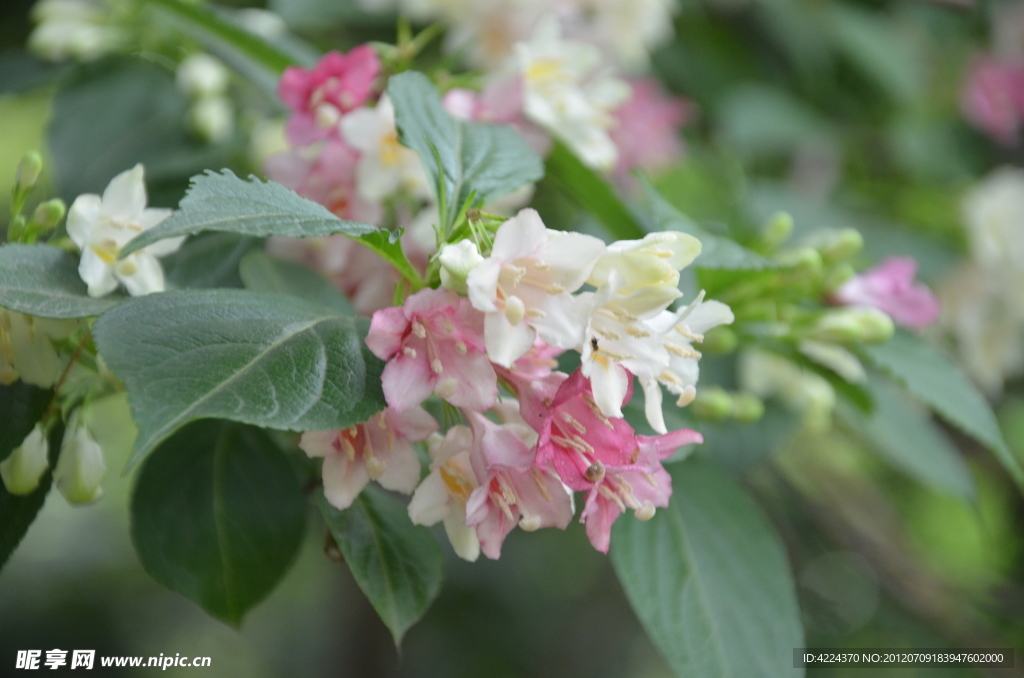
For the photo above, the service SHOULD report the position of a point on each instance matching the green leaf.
(397, 564)
(592, 192)
(209, 260)
(475, 157)
(91, 140)
(717, 251)
(737, 446)
(21, 406)
(43, 281)
(264, 359)
(263, 273)
(218, 516)
(709, 580)
(943, 387)
(903, 434)
(242, 40)
(223, 202)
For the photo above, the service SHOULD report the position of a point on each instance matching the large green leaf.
(91, 139)
(264, 359)
(738, 446)
(475, 157)
(397, 564)
(709, 580)
(21, 406)
(263, 273)
(717, 251)
(43, 281)
(209, 260)
(942, 386)
(904, 435)
(223, 202)
(218, 516)
(591, 192)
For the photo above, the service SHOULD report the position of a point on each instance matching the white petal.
(152, 216)
(570, 257)
(482, 283)
(652, 405)
(429, 504)
(125, 197)
(521, 236)
(610, 384)
(162, 248)
(82, 218)
(709, 314)
(463, 538)
(343, 480)
(506, 342)
(96, 273)
(140, 273)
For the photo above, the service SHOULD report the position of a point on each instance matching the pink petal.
(387, 328)
(407, 382)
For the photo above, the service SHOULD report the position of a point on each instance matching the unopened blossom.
(569, 93)
(433, 344)
(524, 287)
(102, 226)
(890, 287)
(769, 375)
(647, 129)
(320, 96)
(604, 457)
(23, 468)
(511, 489)
(80, 467)
(385, 166)
(443, 494)
(26, 348)
(201, 75)
(379, 450)
(77, 29)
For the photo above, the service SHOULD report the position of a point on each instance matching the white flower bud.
(456, 262)
(22, 470)
(201, 75)
(213, 118)
(81, 467)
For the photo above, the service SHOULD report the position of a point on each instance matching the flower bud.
(81, 467)
(24, 467)
(805, 261)
(839, 274)
(712, 403)
(29, 168)
(777, 230)
(876, 325)
(747, 408)
(213, 118)
(837, 245)
(456, 262)
(47, 215)
(837, 326)
(201, 75)
(719, 341)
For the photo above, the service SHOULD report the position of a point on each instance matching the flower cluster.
(993, 94)
(532, 435)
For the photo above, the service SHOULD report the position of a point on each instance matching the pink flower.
(319, 96)
(993, 99)
(604, 457)
(378, 450)
(646, 132)
(890, 287)
(325, 174)
(433, 344)
(512, 490)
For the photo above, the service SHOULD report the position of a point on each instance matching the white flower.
(443, 493)
(202, 75)
(24, 467)
(80, 467)
(456, 262)
(628, 28)
(26, 351)
(385, 166)
(524, 287)
(994, 215)
(213, 118)
(654, 261)
(73, 28)
(102, 226)
(567, 93)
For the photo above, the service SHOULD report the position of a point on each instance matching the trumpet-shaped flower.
(102, 226)
(443, 494)
(433, 344)
(385, 166)
(568, 93)
(23, 468)
(511, 490)
(80, 467)
(604, 457)
(320, 96)
(380, 450)
(524, 288)
(890, 287)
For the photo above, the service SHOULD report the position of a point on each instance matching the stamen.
(460, 346)
(419, 330)
(645, 512)
(571, 420)
(538, 480)
(681, 350)
(409, 351)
